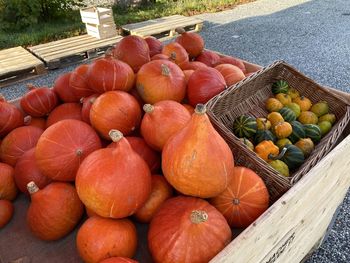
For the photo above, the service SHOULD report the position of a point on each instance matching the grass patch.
(72, 26)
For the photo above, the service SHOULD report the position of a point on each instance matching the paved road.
(314, 36)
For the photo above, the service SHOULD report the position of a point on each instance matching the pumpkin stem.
(2, 98)
(173, 55)
(180, 30)
(115, 135)
(109, 53)
(148, 108)
(32, 187)
(27, 120)
(281, 154)
(200, 109)
(79, 152)
(198, 216)
(165, 70)
(81, 100)
(236, 201)
(30, 86)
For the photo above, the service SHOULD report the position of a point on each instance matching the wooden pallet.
(18, 64)
(163, 28)
(72, 50)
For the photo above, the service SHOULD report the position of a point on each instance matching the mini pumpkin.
(266, 149)
(306, 145)
(282, 130)
(283, 98)
(304, 103)
(273, 104)
(308, 117)
(293, 93)
(320, 108)
(274, 118)
(263, 124)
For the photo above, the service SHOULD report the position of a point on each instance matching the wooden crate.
(101, 31)
(18, 64)
(287, 232)
(163, 28)
(72, 50)
(96, 15)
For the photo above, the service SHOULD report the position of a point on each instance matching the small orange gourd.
(273, 104)
(274, 118)
(304, 103)
(265, 149)
(308, 117)
(283, 130)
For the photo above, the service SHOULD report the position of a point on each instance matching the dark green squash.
(290, 155)
(264, 135)
(298, 132)
(313, 132)
(244, 126)
(280, 86)
(288, 114)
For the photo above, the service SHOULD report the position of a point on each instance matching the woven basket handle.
(343, 96)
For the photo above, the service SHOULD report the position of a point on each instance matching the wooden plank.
(150, 22)
(272, 236)
(151, 31)
(56, 43)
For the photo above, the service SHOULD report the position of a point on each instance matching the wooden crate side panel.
(268, 233)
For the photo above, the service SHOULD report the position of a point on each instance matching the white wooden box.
(101, 31)
(96, 15)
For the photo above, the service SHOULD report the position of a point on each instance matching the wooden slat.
(58, 42)
(161, 29)
(150, 22)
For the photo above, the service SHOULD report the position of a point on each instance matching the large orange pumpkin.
(231, 73)
(133, 50)
(204, 84)
(115, 110)
(8, 189)
(154, 45)
(161, 191)
(36, 122)
(6, 212)
(108, 74)
(54, 211)
(63, 89)
(27, 171)
(161, 121)
(122, 184)
(191, 41)
(161, 80)
(245, 198)
(187, 230)
(209, 58)
(176, 53)
(100, 238)
(79, 82)
(86, 107)
(18, 142)
(10, 117)
(233, 61)
(118, 260)
(197, 161)
(193, 65)
(64, 111)
(63, 146)
(38, 102)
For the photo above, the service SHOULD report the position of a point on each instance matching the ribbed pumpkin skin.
(197, 161)
(192, 42)
(298, 132)
(108, 74)
(280, 86)
(233, 61)
(293, 157)
(231, 73)
(188, 73)
(8, 188)
(140, 146)
(27, 171)
(38, 102)
(209, 58)
(10, 117)
(161, 80)
(313, 132)
(36, 122)
(174, 237)
(79, 82)
(133, 50)
(204, 84)
(287, 114)
(65, 111)
(115, 110)
(154, 45)
(245, 198)
(118, 260)
(244, 126)
(63, 146)
(193, 65)
(17, 142)
(86, 107)
(161, 191)
(122, 175)
(6, 212)
(166, 119)
(63, 89)
(176, 53)
(160, 57)
(100, 238)
(54, 211)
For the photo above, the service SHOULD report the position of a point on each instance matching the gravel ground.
(313, 36)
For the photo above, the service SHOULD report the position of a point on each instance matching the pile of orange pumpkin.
(119, 138)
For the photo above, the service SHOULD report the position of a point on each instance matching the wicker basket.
(248, 97)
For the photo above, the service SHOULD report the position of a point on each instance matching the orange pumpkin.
(115, 110)
(62, 88)
(191, 41)
(282, 129)
(155, 46)
(118, 260)
(86, 107)
(36, 122)
(101, 238)
(231, 73)
(233, 61)
(10, 117)
(186, 163)
(161, 191)
(161, 80)
(161, 121)
(8, 188)
(209, 58)
(191, 223)
(6, 212)
(188, 73)
(79, 82)
(304, 103)
(64, 111)
(176, 53)
(245, 198)
(192, 65)
(265, 148)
